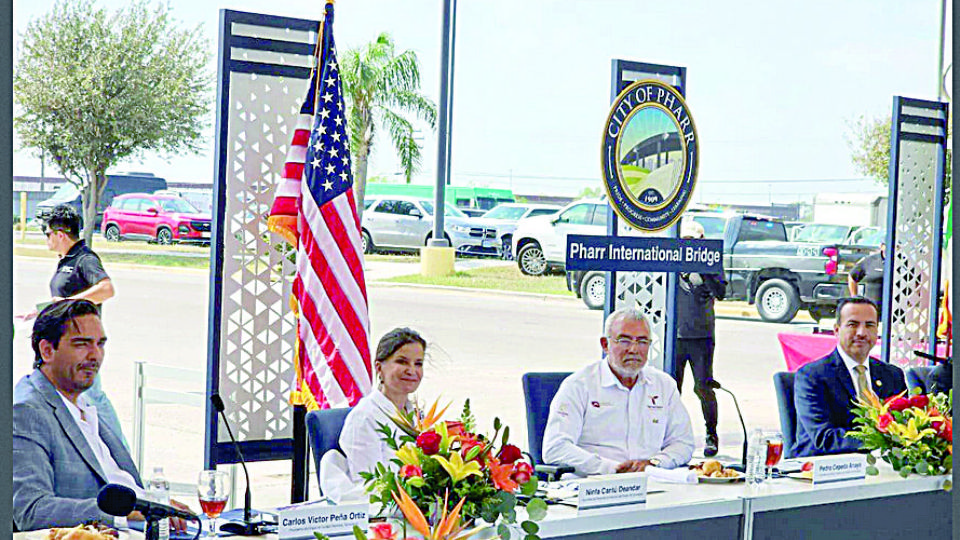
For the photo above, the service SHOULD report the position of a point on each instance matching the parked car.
(540, 242)
(163, 218)
(824, 233)
(868, 236)
(506, 216)
(117, 184)
(406, 223)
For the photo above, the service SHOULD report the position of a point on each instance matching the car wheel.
(366, 242)
(777, 301)
(593, 289)
(531, 261)
(112, 233)
(164, 236)
(506, 248)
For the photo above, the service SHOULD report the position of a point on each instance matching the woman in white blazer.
(399, 370)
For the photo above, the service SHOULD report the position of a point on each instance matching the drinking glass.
(774, 452)
(212, 492)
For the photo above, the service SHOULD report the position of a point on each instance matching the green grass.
(504, 278)
(170, 261)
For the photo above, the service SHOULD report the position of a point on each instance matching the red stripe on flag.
(353, 324)
(334, 360)
(338, 230)
(301, 137)
(293, 170)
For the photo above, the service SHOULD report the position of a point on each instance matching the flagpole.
(445, 119)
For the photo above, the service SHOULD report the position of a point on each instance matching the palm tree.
(381, 87)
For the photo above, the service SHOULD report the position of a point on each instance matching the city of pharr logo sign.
(650, 155)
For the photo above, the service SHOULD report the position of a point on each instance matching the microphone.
(712, 383)
(247, 527)
(118, 500)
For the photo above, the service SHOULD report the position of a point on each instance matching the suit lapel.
(843, 376)
(877, 370)
(67, 423)
(119, 452)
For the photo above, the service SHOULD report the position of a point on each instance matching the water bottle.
(756, 458)
(158, 490)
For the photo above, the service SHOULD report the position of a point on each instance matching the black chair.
(783, 383)
(917, 377)
(538, 392)
(323, 430)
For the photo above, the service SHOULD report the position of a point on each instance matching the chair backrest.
(918, 376)
(783, 383)
(323, 429)
(538, 392)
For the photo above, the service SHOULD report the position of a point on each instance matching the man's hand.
(135, 516)
(632, 465)
(178, 524)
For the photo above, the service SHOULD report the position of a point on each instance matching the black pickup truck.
(762, 267)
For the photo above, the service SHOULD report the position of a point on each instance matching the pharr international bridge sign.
(650, 156)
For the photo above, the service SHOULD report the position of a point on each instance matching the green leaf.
(872, 470)
(358, 533)
(531, 537)
(530, 527)
(529, 488)
(922, 467)
(948, 485)
(496, 424)
(905, 472)
(504, 531)
(537, 509)
(871, 459)
(320, 536)
(489, 514)
(506, 435)
(507, 501)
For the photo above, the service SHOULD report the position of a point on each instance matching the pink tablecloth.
(801, 349)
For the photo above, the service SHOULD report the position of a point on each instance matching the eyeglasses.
(626, 342)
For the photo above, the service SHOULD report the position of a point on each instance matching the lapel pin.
(878, 382)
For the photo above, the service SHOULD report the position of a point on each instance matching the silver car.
(406, 223)
(505, 217)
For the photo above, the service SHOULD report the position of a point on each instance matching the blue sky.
(772, 86)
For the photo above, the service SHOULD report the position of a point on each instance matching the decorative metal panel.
(258, 330)
(263, 77)
(914, 240)
(646, 291)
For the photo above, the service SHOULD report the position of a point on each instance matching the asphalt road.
(479, 346)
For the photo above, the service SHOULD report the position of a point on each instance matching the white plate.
(723, 480)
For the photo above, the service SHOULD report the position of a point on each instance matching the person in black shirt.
(80, 275)
(869, 272)
(695, 336)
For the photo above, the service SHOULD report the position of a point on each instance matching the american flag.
(316, 194)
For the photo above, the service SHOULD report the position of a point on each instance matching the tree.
(869, 143)
(95, 88)
(380, 87)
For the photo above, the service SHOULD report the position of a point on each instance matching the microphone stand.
(151, 530)
(248, 527)
(716, 385)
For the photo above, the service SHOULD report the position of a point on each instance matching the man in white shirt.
(619, 415)
(62, 453)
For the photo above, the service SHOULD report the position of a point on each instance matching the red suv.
(164, 218)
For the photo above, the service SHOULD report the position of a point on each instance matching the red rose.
(898, 404)
(408, 471)
(884, 422)
(509, 453)
(807, 466)
(382, 531)
(919, 401)
(429, 442)
(522, 472)
(945, 430)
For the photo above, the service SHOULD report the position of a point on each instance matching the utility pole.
(446, 113)
(943, 30)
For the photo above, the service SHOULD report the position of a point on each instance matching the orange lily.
(448, 528)
(500, 474)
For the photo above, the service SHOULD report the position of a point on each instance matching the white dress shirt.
(359, 440)
(851, 365)
(596, 423)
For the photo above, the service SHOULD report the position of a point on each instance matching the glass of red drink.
(212, 492)
(774, 452)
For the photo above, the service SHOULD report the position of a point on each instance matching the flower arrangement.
(448, 472)
(912, 433)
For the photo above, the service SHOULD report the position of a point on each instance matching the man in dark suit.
(826, 389)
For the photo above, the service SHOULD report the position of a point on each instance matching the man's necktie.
(862, 383)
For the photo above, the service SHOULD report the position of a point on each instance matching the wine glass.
(212, 492)
(774, 452)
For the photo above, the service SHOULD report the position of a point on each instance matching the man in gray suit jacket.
(62, 454)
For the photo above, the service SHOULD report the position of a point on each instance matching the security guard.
(80, 275)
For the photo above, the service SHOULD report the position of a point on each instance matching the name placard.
(840, 468)
(302, 520)
(612, 490)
